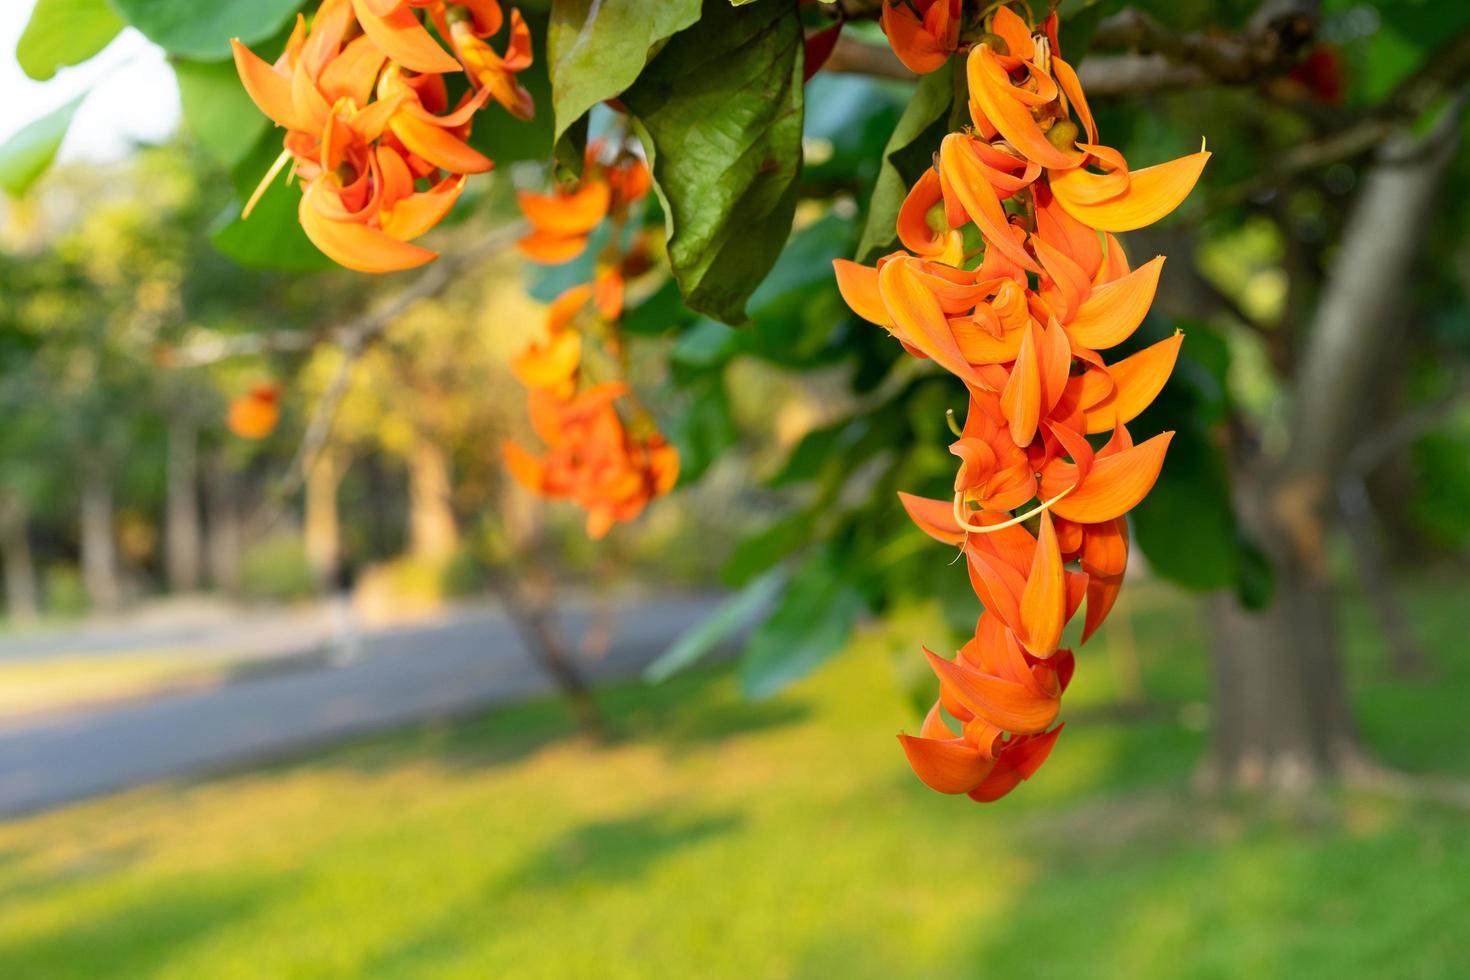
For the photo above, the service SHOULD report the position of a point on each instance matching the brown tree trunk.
(1281, 710)
(98, 543)
(225, 537)
(323, 533)
(529, 604)
(21, 593)
(432, 533)
(182, 537)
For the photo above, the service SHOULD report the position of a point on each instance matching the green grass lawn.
(787, 838)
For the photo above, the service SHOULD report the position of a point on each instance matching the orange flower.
(254, 414)
(367, 120)
(1023, 320)
(923, 33)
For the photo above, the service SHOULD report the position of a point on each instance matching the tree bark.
(223, 542)
(21, 592)
(528, 603)
(323, 533)
(432, 533)
(182, 537)
(1282, 718)
(98, 542)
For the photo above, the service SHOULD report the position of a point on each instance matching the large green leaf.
(218, 111)
(26, 155)
(596, 48)
(720, 113)
(910, 149)
(816, 616)
(64, 32)
(191, 29)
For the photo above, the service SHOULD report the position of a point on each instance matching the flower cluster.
(362, 95)
(1012, 280)
(610, 468)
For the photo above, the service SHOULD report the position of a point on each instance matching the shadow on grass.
(616, 852)
(140, 932)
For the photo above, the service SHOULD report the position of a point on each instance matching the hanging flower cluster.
(609, 467)
(1012, 280)
(370, 132)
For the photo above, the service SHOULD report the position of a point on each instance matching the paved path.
(403, 675)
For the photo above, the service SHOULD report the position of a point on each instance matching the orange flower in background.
(254, 414)
(1038, 510)
(381, 155)
(609, 467)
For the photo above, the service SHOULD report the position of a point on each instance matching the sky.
(134, 97)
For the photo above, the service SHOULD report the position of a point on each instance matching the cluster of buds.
(609, 467)
(1021, 310)
(364, 97)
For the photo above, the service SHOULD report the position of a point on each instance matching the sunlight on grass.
(718, 838)
(33, 686)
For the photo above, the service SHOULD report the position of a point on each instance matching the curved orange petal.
(1021, 399)
(1137, 381)
(551, 249)
(858, 285)
(992, 91)
(524, 468)
(1152, 193)
(438, 145)
(267, 88)
(354, 245)
(401, 37)
(1043, 603)
(934, 517)
(411, 216)
(950, 765)
(966, 178)
(567, 214)
(1115, 485)
(920, 320)
(1005, 704)
(1115, 309)
(1018, 761)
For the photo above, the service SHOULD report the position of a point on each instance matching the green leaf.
(703, 430)
(719, 627)
(64, 32)
(816, 616)
(1185, 526)
(910, 149)
(596, 48)
(26, 155)
(192, 29)
(217, 109)
(765, 548)
(272, 237)
(719, 111)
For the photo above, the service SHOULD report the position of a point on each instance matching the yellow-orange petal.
(991, 90)
(566, 305)
(966, 177)
(401, 37)
(918, 319)
(1044, 602)
(267, 88)
(438, 145)
(1137, 381)
(568, 214)
(411, 216)
(1115, 309)
(551, 249)
(354, 245)
(549, 365)
(1152, 193)
(1115, 485)
(858, 285)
